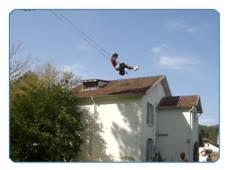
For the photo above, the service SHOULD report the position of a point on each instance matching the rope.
(83, 35)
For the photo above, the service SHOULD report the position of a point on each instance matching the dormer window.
(93, 84)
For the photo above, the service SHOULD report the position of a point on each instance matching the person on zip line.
(121, 66)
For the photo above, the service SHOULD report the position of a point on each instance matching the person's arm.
(117, 61)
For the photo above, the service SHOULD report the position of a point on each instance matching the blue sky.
(181, 44)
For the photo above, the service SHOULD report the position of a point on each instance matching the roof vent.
(93, 84)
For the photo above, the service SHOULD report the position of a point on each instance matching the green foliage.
(21, 86)
(210, 132)
(53, 74)
(94, 146)
(45, 121)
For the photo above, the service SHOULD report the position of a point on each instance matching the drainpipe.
(92, 99)
(157, 153)
(190, 142)
(92, 128)
(94, 108)
(193, 107)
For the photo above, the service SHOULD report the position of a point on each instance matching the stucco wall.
(153, 96)
(178, 131)
(120, 128)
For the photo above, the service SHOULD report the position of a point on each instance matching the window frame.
(150, 114)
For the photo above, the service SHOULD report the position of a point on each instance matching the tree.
(53, 74)
(45, 121)
(21, 85)
(17, 66)
(210, 132)
(94, 146)
(69, 78)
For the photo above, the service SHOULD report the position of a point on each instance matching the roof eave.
(173, 107)
(106, 98)
(199, 105)
(181, 107)
(165, 85)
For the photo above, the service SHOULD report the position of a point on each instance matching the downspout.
(94, 108)
(190, 143)
(156, 131)
(92, 127)
(193, 107)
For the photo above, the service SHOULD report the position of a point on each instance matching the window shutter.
(150, 149)
(150, 114)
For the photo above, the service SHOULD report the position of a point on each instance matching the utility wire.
(85, 36)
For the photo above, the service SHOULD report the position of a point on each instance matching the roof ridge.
(161, 75)
(182, 96)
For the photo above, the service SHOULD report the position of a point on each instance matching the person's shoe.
(136, 68)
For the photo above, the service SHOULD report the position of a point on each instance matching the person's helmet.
(115, 55)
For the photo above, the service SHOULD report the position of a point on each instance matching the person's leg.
(122, 72)
(123, 65)
(117, 67)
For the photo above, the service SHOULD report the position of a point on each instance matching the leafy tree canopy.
(45, 121)
(210, 132)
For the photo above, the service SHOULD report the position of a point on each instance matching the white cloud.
(158, 49)
(177, 63)
(167, 57)
(180, 25)
(75, 68)
(155, 49)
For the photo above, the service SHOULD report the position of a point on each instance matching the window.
(150, 114)
(150, 149)
(93, 84)
(194, 117)
(89, 85)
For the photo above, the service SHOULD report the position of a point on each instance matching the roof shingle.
(181, 101)
(117, 87)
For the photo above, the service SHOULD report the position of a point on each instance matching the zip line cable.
(82, 32)
(85, 36)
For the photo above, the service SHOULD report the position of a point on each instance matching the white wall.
(153, 97)
(123, 126)
(182, 133)
(120, 123)
(121, 129)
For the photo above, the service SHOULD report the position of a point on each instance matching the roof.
(181, 102)
(120, 87)
(206, 140)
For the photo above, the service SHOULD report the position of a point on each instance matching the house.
(137, 119)
(178, 127)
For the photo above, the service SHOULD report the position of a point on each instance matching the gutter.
(173, 107)
(106, 98)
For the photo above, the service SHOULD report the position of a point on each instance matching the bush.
(45, 122)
